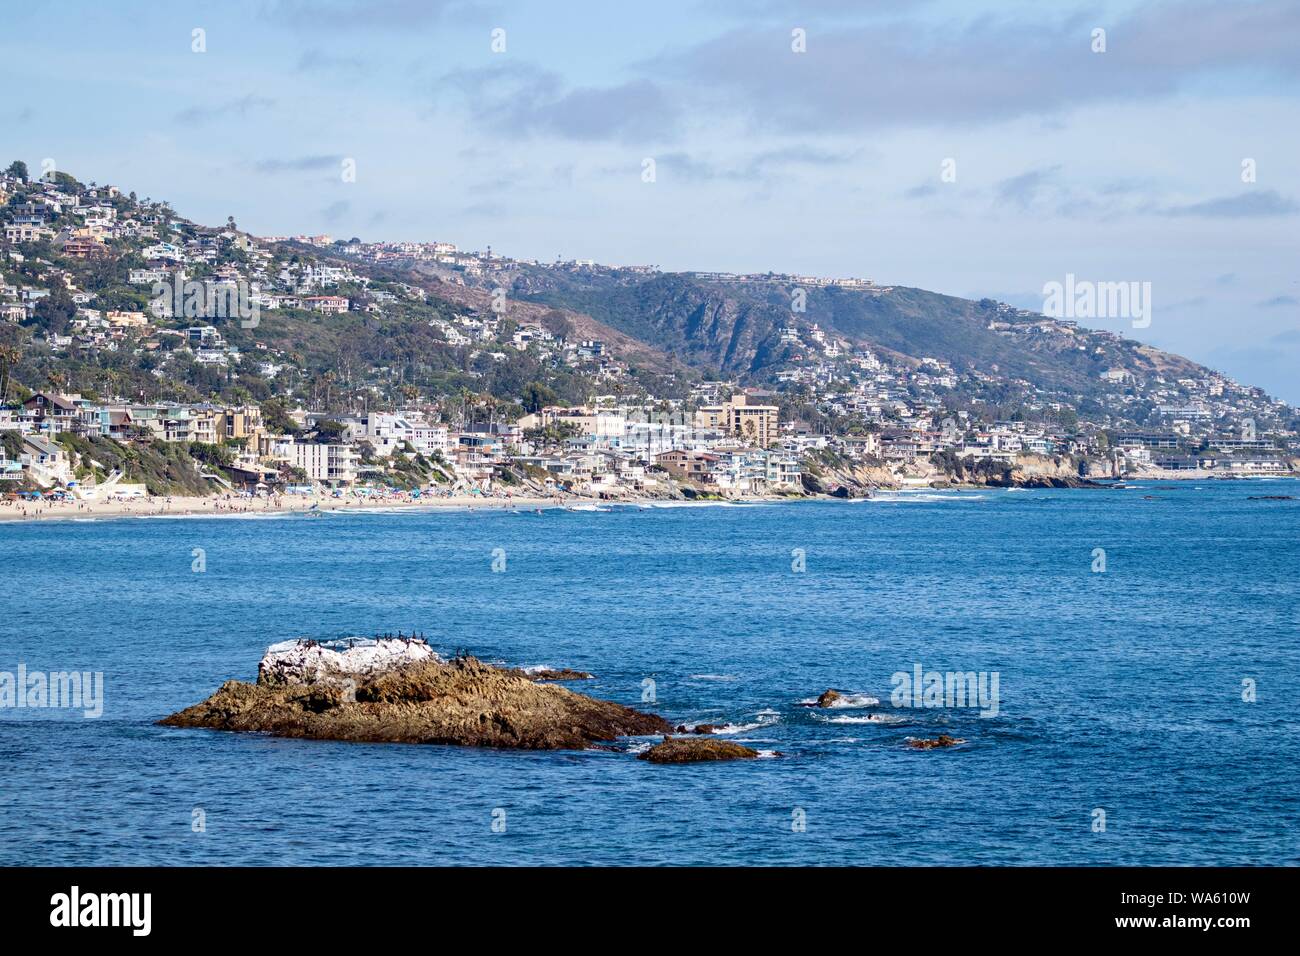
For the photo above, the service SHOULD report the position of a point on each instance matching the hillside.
(344, 326)
(735, 327)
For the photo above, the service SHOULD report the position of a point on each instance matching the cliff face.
(843, 479)
(847, 480)
(1040, 471)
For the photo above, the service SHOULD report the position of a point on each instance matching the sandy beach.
(234, 506)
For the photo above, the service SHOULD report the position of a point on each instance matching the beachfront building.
(784, 472)
(741, 470)
(331, 464)
(388, 432)
(738, 417)
(46, 462)
(239, 422)
(696, 466)
(48, 411)
(861, 447)
(10, 470)
(476, 456)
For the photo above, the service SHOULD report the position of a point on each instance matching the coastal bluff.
(400, 691)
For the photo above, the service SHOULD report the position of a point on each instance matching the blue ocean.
(1146, 643)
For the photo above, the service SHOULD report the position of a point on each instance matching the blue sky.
(1122, 165)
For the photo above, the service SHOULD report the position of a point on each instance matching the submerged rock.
(427, 701)
(555, 674)
(943, 740)
(696, 749)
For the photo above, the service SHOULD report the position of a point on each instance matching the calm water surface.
(1119, 691)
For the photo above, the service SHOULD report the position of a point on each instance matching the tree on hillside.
(54, 311)
(277, 419)
(558, 324)
(329, 431)
(536, 396)
(18, 168)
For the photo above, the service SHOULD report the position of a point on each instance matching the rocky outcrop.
(428, 701)
(828, 698)
(835, 476)
(943, 740)
(835, 482)
(696, 750)
(1020, 479)
(1041, 471)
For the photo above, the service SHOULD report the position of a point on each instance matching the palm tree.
(9, 356)
(465, 396)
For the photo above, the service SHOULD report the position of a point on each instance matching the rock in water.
(427, 701)
(338, 663)
(554, 674)
(695, 749)
(828, 698)
(943, 740)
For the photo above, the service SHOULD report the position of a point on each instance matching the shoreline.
(232, 507)
(222, 507)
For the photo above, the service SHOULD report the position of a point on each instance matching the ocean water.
(1119, 691)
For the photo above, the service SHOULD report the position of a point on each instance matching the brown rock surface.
(463, 701)
(943, 740)
(695, 750)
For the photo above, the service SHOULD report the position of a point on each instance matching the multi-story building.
(689, 465)
(387, 431)
(753, 423)
(328, 463)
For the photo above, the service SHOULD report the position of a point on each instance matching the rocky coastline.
(835, 477)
